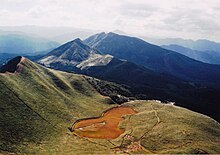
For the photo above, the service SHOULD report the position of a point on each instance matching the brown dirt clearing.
(104, 127)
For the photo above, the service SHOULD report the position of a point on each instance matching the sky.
(192, 19)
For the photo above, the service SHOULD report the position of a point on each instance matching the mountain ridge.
(156, 58)
(210, 57)
(200, 44)
(145, 83)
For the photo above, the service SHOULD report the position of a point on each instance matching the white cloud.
(167, 18)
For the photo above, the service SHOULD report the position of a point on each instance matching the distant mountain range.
(57, 34)
(144, 83)
(22, 44)
(199, 45)
(65, 34)
(211, 57)
(156, 58)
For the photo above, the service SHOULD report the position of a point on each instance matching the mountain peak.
(96, 38)
(71, 53)
(101, 33)
(107, 34)
(70, 48)
(77, 40)
(13, 65)
(112, 33)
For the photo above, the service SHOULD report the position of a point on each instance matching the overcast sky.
(165, 18)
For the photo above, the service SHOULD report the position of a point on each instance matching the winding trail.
(158, 122)
(155, 113)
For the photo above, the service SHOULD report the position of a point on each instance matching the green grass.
(38, 105)
(179, 130)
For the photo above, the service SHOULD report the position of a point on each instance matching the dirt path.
(158, 122)
(155, 113)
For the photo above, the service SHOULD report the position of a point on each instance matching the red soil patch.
(104, 127)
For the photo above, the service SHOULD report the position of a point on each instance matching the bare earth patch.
(104, 127)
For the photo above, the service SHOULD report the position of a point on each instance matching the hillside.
(156, 58)
(211, 57)
(39, 105)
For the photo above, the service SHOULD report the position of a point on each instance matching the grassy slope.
(34, 119)
(171, 129)
(165, 129)
(40, 104)
(178, 131)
